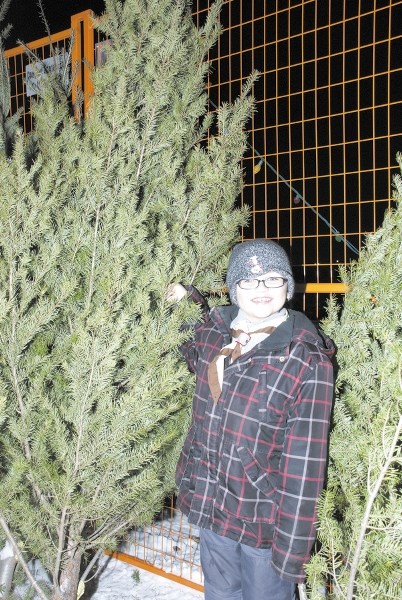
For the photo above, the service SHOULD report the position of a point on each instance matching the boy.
(253, 463)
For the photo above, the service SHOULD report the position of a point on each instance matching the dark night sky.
(27, 25)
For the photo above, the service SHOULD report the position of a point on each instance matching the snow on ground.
(116, 582)
(170, 544)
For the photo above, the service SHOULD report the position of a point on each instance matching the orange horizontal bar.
(143, 564)
(322, 288)
(56, 37)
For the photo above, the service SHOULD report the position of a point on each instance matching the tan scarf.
(241, 338)
(242, 341)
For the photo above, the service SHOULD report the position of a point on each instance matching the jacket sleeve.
(303, 466)
(188, 349)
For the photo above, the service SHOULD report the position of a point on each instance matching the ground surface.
(116, 582)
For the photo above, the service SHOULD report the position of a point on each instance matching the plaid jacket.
(253, 465)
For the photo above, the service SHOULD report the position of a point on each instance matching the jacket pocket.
(256, 474)
(244, 490)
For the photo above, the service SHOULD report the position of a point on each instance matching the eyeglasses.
(269, 282)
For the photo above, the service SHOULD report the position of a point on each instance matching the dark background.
(24, 16)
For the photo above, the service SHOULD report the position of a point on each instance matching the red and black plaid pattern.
(253, 464)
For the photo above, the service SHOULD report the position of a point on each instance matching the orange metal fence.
(81, 39)
(168, 547)
(18, 63)
(322, 144)
(328, 124)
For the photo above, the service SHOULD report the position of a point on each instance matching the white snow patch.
(116, 582)
(170, 544)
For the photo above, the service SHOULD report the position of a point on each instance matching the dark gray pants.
(234, 571)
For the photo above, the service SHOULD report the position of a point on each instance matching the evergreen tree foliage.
(97, 219)
(360, 516)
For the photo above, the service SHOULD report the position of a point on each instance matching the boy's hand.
(175, 292)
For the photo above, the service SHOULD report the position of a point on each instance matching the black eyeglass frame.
(255, 283)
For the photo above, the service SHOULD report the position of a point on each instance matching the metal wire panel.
(19, 59)
(168, 547)
(323, 140)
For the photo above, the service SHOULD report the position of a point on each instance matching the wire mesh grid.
(24, 80)
(327, 127)
(169, 544)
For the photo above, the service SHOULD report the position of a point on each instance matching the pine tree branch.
(92, 275)
(334, 575)
(186, 217)
(98, 490)
(193, 276)
(44, 20)
(111, 146)
(62, 538)
(13, 367)
(80, 432)
(83, 577)
(367, 512)
(104, 530)
(96, 229)
(145, 140)
(21, 559)
(16, 385)
(14, 376)
(11, 295)
(62, 526)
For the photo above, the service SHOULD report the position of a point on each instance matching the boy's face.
(262, 302)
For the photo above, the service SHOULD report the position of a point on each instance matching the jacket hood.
(306, 331)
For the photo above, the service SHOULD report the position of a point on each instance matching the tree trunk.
(69, 578)
(8, 562)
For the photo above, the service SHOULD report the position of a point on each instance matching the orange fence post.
(82, 56)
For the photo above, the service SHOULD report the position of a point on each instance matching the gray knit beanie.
(254, 258)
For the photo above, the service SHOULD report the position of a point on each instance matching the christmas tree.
(360, 520)
(97, 219)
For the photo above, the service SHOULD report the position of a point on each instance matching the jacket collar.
(296, 327)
